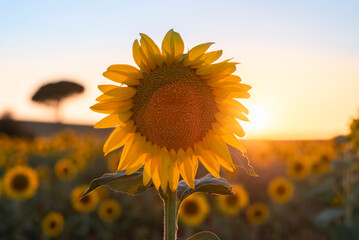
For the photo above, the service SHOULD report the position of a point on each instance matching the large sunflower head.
(21, 182)
(194, 210)
(232, 204)
(52, 224)
(175, 110)
(280, 190)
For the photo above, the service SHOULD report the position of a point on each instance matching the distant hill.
(45, 129)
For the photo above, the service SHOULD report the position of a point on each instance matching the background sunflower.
(194, 210)
(20, 182)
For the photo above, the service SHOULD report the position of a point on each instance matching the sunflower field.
(305, 190)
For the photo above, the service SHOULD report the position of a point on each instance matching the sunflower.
(109, 210)
(280, 190)
(298, 169)
(86, 204)
(232, 204)
(20, 182)
(193, 210)
(174, 111)
(52, 224)
(322, 165)
(65, 169)
(257, 213)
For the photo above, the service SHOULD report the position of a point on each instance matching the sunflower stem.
(170, 226)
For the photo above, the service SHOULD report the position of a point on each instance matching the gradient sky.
(300, 57)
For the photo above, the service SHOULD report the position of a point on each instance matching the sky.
(300, 57)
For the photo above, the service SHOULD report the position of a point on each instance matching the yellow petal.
(113, 120)
(139, 163)
(127, 70)
(119, 137)
(208, 58)
(110, 107)
(138, 56)
(132, 153)
(207, 159)
(147, 172)
(153, 52)
(178, 46)
(213, 70)
(228, 137)
(173, 177)
(230, 111)
(120, 78)
(194, 55)
(164, 167)
(106, 88)
(186, 170)
(168, 48)
(219, 147)
(220, 79)
(230, 124)
(118, 94)
(231, 104)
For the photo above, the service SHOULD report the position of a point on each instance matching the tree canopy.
(53, 93)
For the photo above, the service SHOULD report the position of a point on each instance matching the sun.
(260, 119)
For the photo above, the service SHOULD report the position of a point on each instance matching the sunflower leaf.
(241, 161)
(207, 184)
(204, 236)
(120, 182)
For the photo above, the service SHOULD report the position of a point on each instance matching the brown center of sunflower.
(20, 182)
(281, 190)
(191, 208)
(232, 200)
(173, 107)
(109, 210)
(298, 167)
(257, 213)
(52, 224)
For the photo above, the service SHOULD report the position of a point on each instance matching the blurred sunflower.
(20, 182)
(52, 224)
(322, 165)
(298, 169)
(86, 204)
(173, 111)
(65, 169)
(280, 190)
(109, 210)
(257, 213)
(193, 210)
(232, 204)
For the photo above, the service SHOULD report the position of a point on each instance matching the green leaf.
(207, 184)
(204, 236)
(119, 181)
(242, 161)
(327, 216)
